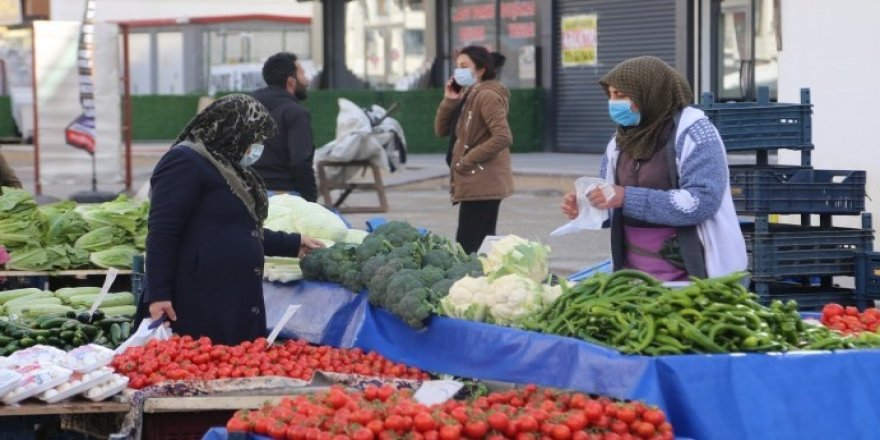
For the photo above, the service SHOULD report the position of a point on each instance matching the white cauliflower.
(514, 297)
(467, 299)
(516, 255)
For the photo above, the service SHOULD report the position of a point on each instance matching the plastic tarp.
(330, 314)
(737, 396)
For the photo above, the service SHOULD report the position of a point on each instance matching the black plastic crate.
(796, 190)
(868, 274)
(791, 250)
(810, 299)
(761, 125)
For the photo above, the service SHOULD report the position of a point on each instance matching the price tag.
(291, 309)
(437, 391)
(111, 276)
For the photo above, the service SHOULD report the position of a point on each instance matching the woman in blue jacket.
(206, 243)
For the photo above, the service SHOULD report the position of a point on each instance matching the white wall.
(831, 47)
(116, 10)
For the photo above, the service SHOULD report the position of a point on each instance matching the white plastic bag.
(144, 334)
(589, 217)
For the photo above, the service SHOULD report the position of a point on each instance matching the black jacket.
(204, 253)
(286, 163)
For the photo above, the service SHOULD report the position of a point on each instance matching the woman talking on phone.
(473, 114)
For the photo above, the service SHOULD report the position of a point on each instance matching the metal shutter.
(627, 29)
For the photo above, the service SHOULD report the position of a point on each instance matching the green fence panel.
(7, 124)
(161, 117)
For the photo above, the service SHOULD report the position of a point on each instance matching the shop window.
(746, 50)
(506, 26)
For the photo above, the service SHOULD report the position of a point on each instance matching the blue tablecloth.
(760, 396)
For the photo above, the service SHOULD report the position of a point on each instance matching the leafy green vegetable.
(31, 258)
(118, 256)
(121, 212)
(65, 224)
(102, 239)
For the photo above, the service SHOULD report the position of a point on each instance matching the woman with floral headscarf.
(672, 214)
(206, 243)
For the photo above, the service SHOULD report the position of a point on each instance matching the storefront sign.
(579, 42)
(235, 78)
(10, 12)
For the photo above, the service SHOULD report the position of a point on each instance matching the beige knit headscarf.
(658, 90)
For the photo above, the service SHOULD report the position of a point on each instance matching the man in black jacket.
(286, 163)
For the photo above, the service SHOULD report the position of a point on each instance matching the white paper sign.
(437, 391)
(111, 276)
(291, 309)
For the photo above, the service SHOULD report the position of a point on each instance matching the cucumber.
(8, 295)
(12, 347)
(126, 330)
(34, 311)
(66, 293)
(89, 330)
(111, 300)
(71, 324)
(115, 333)
(66, 336)
(28, 298)
(55, 322)
(107, 322)
(5, 340)
(54, 341)
(27, 342)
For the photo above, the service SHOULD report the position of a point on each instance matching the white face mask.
(252, 155)
(464, 76)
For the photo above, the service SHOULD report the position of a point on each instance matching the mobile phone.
(455, 86)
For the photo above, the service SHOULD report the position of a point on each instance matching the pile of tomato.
(185, 358)
(848, 320)
(385, 413)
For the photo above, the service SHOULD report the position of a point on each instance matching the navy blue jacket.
(204, 252)
(286, 163)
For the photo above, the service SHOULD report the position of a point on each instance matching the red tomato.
(498, 421)
(643, 429)
(450, 432)
(576, 421)
(236, 424)
(626, 415)
(560, 432)
(526, 423)
(593, 410)
(476, 429)
(424, 422)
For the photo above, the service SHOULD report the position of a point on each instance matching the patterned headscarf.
(658, 90)
(222, 133)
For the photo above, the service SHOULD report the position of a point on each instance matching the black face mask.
(300, 91)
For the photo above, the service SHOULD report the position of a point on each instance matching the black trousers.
(476, 220)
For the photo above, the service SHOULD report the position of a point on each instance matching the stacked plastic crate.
(791, 261)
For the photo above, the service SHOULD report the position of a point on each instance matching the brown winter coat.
(480, 168)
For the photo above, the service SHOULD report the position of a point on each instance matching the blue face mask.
(252, 156)
(464, 77)
(620, 112)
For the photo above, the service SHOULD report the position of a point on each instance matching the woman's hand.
(307, 244)
(597, 198)
(569, 206)
(159, 308)
(450, 92)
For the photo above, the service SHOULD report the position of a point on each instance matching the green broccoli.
(431, 275)
(398, 233)
(440, 289)
(401, 284)
(351, 279)
(371, 266)
(379, 283)
(371, 246)
(440, 258)
(471, 267)
(414, 308)
(312, 265)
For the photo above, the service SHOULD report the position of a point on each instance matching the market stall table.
(816, 394)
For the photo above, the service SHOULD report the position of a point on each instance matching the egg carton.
(110, 388)
(35, 381)
(78, 383)
(9, 380)
(87, 358)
